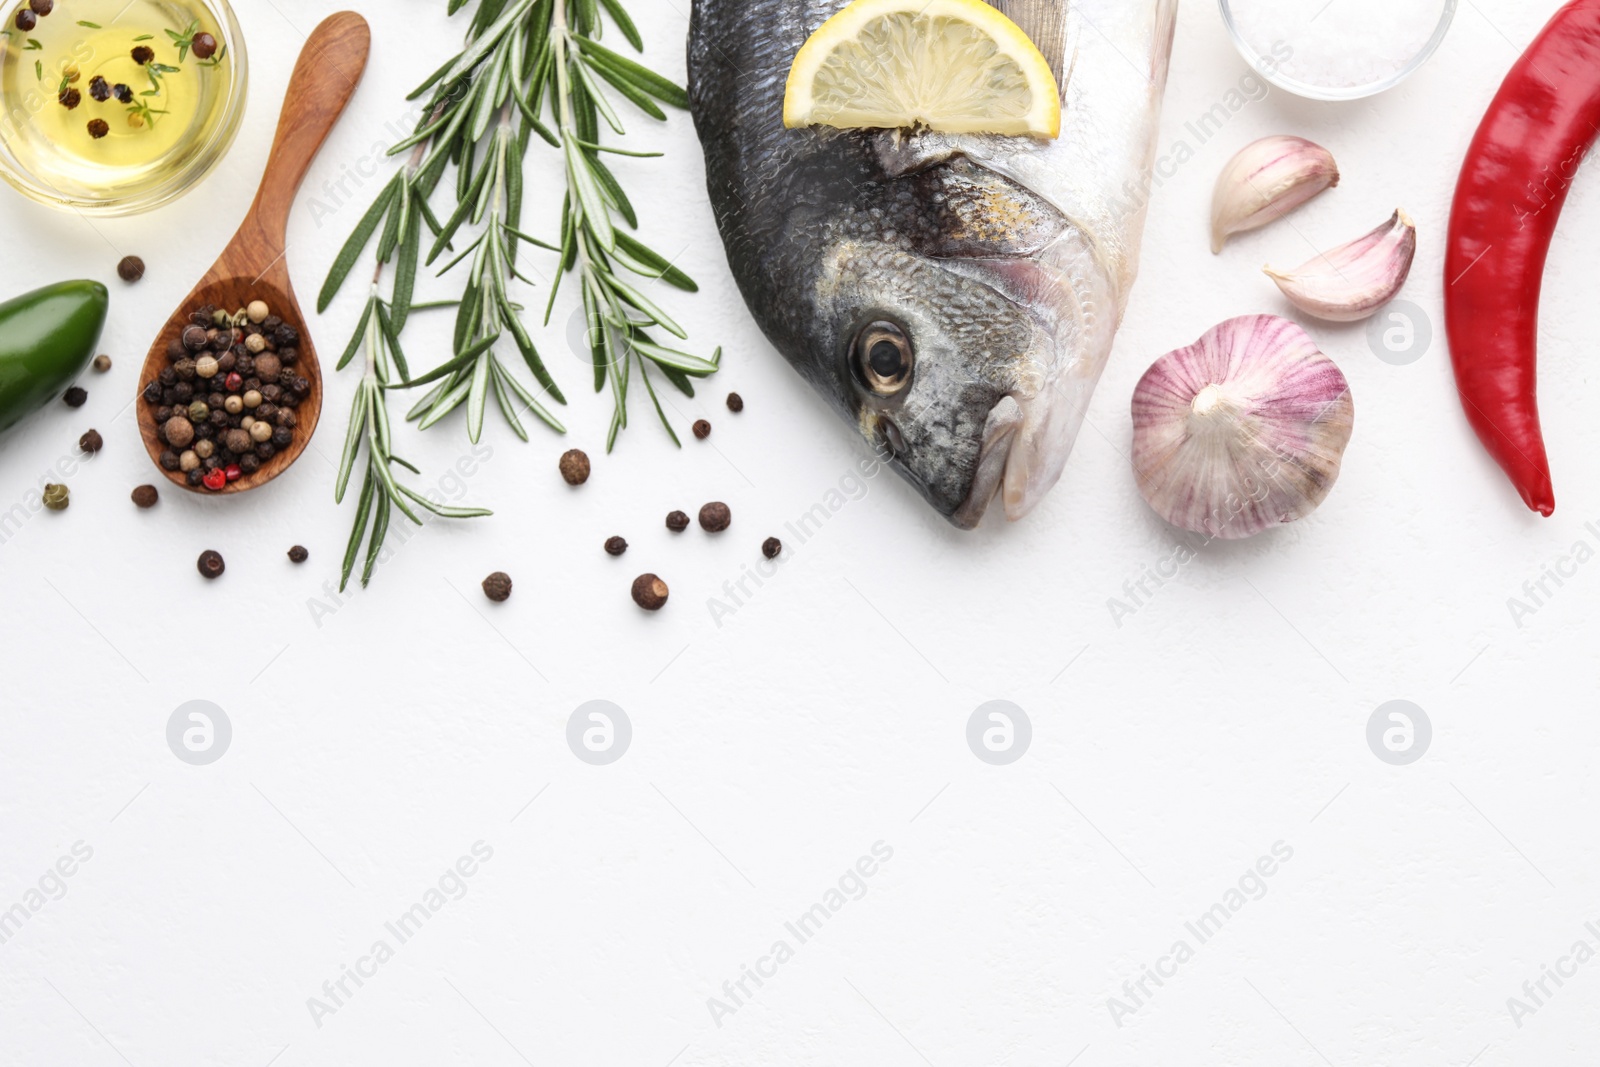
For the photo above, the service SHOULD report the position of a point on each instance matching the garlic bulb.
(1242, 430)
(1353, 281)
(1265, 181)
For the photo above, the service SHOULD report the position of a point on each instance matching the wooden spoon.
(254, 265)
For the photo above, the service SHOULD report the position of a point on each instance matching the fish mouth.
(1000, 435)
(1019, 461)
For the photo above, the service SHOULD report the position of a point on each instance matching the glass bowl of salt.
(1337, 49)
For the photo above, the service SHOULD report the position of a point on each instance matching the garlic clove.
(1243, 430)
(1353, 281)
(1268, 179)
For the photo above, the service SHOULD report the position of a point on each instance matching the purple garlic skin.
(1265, 181)
(1351, 282)
(1243, 430)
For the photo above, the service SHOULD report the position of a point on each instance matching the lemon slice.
(957, 66)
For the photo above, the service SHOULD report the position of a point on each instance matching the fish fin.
(1045, 23)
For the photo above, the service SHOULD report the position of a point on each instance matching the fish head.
(945, 364)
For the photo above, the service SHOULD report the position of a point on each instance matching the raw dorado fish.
(989, 272)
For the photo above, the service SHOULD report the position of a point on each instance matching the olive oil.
(109, 99)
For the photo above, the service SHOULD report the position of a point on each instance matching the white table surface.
(377, 737)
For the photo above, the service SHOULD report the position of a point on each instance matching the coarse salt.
(1338, 44)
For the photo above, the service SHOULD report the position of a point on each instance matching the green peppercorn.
(57, 497)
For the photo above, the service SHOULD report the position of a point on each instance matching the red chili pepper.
(1513, 185)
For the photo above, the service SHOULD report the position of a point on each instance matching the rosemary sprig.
(483, 108)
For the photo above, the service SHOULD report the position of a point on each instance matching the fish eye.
(883, 358)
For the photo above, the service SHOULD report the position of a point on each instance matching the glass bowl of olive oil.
(113, 107)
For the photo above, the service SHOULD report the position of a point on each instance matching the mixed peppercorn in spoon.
(226, 402)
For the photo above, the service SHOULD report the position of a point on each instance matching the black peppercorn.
(169, 460)
(26, 21)
(197, 476)
(286, 336)
(176, 349)
(271, 394)
(650, 592)
(168, 376)
(302, 387)
(70, 98)
(702, 429)
(163, 413)
(75, 397)
(677, 522)
(715, 517)
(99, 89)
(282, 437)
(152, 393)
(497, 587)
(123, 94)
(98, 128)
(298, 554)
(183, 392)
(772, 548)
(143, 54)
(41, 7)
(195, 339)
(735, 403)
(616, 546)
(131, 269)
(91, 442)
(146, 496)
(211, 565)
(575, 467)
(266, 450)
(289, 355)
(249, 464)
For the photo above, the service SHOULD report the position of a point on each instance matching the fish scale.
(1003, 265)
